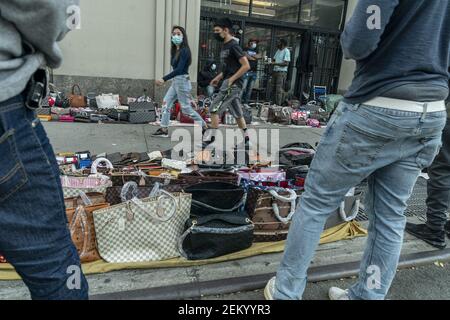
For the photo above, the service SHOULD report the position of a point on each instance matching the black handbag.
(216, 235)
(216, 198)
(296, 154)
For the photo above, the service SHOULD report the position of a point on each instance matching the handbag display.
(142, 230)
(262, 175)
(95, 182)
(216, 198)
(281, 115)
(77, 100)
(215, 235)
(82, 230)
(271, 211)
(107, 101)
(197, 177)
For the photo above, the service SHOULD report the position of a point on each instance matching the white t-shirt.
(280, 57)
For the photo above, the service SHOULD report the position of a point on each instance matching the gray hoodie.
(29, 32)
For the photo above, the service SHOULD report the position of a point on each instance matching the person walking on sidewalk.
(388, 129)
(438, 201)
(234, 65)
(34, 235)
(181, 88)
(281, 62)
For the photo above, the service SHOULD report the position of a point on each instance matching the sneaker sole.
(267, 294)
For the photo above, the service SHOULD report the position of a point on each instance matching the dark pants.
(438, 201)
(34, 236)
(278, 81)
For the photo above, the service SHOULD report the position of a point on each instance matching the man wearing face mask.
(234, 65)
(205, 77)
(250, 78)
(281, 62)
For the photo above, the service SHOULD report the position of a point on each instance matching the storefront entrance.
(315, 52)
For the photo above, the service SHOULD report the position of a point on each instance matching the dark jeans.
(34, 236)
(438, 201)
(249, 81)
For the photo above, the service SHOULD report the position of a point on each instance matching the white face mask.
(253, 46)
(213, 67)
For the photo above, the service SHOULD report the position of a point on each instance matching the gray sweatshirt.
(29, 32)
(407, 58)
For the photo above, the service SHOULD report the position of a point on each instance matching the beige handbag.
(142, 230)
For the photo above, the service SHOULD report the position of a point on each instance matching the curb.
(252, 283)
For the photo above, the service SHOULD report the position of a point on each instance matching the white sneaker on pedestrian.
(269, 291)
(337, 294)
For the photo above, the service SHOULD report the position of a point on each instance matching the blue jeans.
(388, 147)
(180, 90)
(34, 235)
(249, 81)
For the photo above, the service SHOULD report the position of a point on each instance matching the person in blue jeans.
(253, 55)
(181, 88)
(387, 130)
(34, 235)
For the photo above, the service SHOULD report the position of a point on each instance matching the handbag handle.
(94, 167)
(79, 89)
(126, 189)
(354, 211)
(87, 202)
(165, 195)
(80, 214)
(292, 199)
(235, 208)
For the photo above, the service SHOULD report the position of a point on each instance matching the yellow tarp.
(343, 232)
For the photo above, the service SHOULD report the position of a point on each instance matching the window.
(281, 10)
(328, 14)
(236, 7)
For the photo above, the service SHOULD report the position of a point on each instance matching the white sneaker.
(337, 294)
(269, 292)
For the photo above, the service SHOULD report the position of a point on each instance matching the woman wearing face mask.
(181, 84)
(205, 77)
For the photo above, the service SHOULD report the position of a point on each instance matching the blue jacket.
(181, 65)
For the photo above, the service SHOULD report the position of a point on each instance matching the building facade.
(124, 46)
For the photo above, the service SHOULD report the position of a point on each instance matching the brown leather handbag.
(77, 100)
(82, 230)
(271, 211)
(197, 177)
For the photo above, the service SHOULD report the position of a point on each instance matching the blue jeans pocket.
(428, 154)
(12, 173)
(358, 148)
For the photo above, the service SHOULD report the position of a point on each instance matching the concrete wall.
(123, 46)
(348, 66)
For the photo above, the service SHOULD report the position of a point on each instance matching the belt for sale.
(406, 105)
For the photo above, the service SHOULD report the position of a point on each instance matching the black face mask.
(218, 37)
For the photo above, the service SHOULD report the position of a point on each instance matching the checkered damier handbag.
(142, 230)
